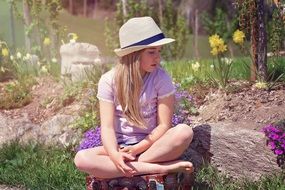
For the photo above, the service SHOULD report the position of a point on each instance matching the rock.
(236, 152)
(77, 58)
(12, 129)
(55, 131)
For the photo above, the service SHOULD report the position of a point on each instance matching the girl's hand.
(119, 159)
(130, 150)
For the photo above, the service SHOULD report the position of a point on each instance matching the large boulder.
(236, 152)
(55, 131)
(77, 59)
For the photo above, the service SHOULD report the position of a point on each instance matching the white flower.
(54, 60)
(28, 56)
(44, 69)
(228, 61)
(261, 85)
(12, 57)
(2, 69)
(212, 66)
(19, 55)
(196, 66)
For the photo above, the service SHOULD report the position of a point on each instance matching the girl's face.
(150, 59)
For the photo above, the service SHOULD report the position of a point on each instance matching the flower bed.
(275, 134)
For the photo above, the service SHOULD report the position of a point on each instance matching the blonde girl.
(136, 100)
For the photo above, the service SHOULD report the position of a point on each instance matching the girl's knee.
(80, 160)
(184, 132)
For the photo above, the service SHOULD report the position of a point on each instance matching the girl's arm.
(107, 126)
(164, 116)
(109, 140)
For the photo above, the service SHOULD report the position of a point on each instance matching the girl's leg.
(94, 162)
(170, 146)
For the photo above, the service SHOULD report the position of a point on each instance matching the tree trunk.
(94, 8)
(12, 26)
(262, 41)
(196, 35)
(160, 8)
(27, 23)
(125, 13)
(70, 6)
(85, 8)
(254, 41)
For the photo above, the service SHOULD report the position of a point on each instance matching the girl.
(136, 100)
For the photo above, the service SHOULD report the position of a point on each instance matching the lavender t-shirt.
(157, 85)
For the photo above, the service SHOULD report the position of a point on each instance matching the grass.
(183, 73)
(34, 166)
(38, 167)
(208, 178)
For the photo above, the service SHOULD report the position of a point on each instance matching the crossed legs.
(159, 158)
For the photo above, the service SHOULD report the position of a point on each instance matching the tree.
(252, 21)
(27, 23)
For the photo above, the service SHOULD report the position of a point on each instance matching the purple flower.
(91, 138)
(278, 152)
(274, 136)
(272, 145)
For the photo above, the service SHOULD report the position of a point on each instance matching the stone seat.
(172, 181)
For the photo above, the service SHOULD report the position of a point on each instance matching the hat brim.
(122, 52)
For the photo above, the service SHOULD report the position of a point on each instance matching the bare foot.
(179, 166)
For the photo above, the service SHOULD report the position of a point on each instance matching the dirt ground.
(248, 106)
(45, 102)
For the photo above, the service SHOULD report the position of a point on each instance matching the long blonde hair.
(128, 84)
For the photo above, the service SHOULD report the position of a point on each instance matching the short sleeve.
(164, 85)
(105, 88)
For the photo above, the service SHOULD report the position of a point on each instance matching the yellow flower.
(73, 37)
(222, 48)
(47, 41)
(214, 40)
(217, 44)
(5, 52)
(238, 37)
(214, 51)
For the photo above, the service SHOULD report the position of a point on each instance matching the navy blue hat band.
(147, 41)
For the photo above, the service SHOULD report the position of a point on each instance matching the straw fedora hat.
(139, 33)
